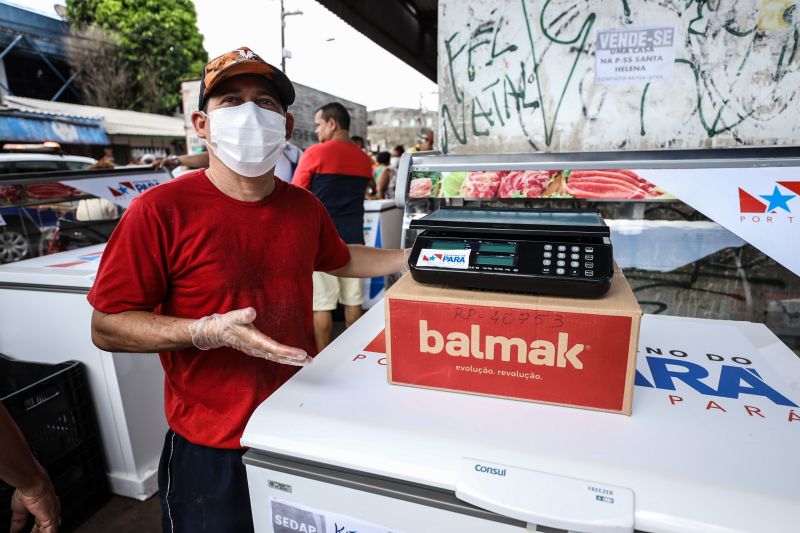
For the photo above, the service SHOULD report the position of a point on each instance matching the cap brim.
(278, 79)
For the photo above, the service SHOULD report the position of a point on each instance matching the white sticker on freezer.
(429, 257)
(293, 518)
(634, 55)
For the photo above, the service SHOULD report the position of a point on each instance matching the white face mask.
(246, 138)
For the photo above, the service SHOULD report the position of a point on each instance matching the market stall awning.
(114, 121)
(36, 127)
(406, 28)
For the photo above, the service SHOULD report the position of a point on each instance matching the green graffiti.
(450, 60)
(483, 114)
(564, 29)
(641, 109)
(448, 117)
(583, 35)
(495, 53)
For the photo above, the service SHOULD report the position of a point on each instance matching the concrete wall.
(305, 106)
(519, 75)
(386, 128)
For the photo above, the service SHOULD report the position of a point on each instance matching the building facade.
(387, 128)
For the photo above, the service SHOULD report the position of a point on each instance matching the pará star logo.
(123, 189)
(779, 200)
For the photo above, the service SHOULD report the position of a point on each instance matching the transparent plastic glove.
(235, 330)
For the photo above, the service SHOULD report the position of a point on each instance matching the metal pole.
(14, 43)
(283, 43)
(285, 14)
(64, 87)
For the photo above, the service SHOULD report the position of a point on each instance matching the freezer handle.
(403, 181)
(545, 499)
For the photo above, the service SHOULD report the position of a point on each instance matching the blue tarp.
(17, 126)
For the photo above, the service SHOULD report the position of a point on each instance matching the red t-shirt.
(338, 172)
(187, 250)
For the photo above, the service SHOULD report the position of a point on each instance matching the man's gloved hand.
(235, 330)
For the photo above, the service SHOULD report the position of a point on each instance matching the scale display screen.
(516, 217)
(495, 260)
(503, 248)
(448, 245)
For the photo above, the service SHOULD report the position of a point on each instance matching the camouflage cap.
(243, 61)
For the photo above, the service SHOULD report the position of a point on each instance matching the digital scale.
(562, 252)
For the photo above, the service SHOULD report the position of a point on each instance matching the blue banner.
(19, 127)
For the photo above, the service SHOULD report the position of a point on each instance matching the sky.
(327, 54)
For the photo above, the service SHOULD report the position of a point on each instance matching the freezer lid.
(371, 206)
(73, 270)
(710, 449)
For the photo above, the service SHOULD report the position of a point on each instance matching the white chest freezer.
(45, 317)
(711, 445)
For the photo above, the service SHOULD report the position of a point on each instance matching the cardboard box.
(565, 351)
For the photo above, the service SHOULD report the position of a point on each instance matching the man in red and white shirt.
(337, 171)
(213, 270)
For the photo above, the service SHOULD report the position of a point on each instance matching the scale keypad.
(579, 264)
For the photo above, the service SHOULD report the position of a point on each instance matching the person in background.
(213, 271)
(394, 162)
(284, 168)
(425, 143)
(337, 171)
(288, 161)
(34, 492)
(359, 141)
(383, 175)
(397, 152)
(108, 154)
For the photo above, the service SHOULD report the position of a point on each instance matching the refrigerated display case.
(52, 211)
(692, 255)
(709, 446)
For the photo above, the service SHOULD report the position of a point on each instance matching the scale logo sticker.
(443, 258)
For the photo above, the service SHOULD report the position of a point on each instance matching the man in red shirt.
(213, 271)
(337, 171)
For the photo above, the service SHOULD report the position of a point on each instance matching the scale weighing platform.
(546, 251)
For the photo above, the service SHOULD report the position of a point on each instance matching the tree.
(159, 40)
(105, 78)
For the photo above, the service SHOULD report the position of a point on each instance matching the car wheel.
(14, 245)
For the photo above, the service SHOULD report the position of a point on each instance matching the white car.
(12, 163)
(23, 223)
